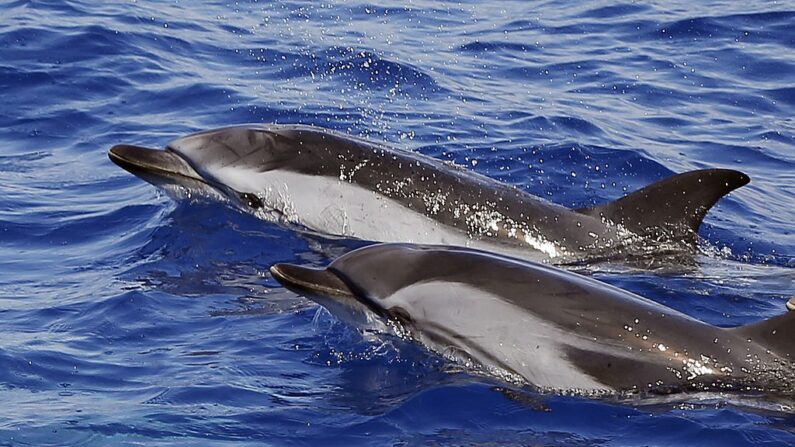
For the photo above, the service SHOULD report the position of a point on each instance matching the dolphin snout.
(320, 281)
(145, 162)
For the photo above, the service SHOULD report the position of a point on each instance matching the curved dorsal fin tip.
(741, 177)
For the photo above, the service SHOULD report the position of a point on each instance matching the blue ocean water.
(128, 319)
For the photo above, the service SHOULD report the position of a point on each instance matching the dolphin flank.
(553, 329)
(326, 182)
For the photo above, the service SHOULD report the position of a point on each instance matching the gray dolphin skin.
(320, 180)
(543, 326)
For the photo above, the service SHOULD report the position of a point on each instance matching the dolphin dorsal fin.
(776, 334)
(674, 206)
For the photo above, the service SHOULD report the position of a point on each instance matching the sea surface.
(129, 319)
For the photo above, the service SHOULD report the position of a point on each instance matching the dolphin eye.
(251, 200)
(400, 315)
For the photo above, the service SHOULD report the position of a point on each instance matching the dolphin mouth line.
(321, 281)
(163, 163)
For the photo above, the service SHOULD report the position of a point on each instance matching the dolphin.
(316, 179)
(540, 325)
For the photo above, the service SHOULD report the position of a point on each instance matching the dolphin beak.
(152, 164)
(319, 281)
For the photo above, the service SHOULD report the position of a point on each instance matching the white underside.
(340, 207)
(524, 344)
